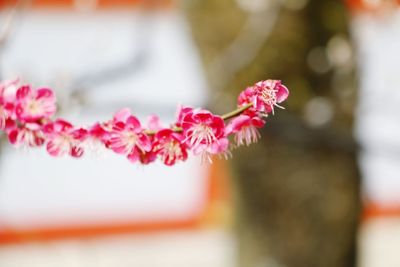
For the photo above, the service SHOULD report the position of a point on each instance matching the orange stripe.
(217, 192)
(368, 6)
(101, 4)
(373, 210)
(47, 234)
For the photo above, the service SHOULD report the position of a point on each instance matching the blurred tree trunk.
(298, 189)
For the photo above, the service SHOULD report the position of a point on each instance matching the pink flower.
(169, 146)
(63, 139)
(7, 97)
(33, 105)
(245, 129)
(25, 117)
(10, 124)
(8, 90)
(100, 132)
(153, 123)
(204, 132)
(264, 95)
(181, 113)
(6, 111)
(127, 137)
(246, 96)
(146, 157)
(29, 134)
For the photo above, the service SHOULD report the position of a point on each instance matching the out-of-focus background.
(321, 188)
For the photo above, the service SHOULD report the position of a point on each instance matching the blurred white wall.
(76, 50)
(378, 111)
(377, 38)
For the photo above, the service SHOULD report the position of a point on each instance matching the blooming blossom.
(264, 95)
(29, 134)
(169, 146)
(204, 132)
(245, 129)
(127, 137)
(153, 123)
(100, 131)
(7, 98)
(63, 138)
(6, 110)
(25, 116)
(33, 105)
(8, 90)
(181, 112)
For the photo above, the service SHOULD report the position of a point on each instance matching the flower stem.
(236, 112)
(225, 116)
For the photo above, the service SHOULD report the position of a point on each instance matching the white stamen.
(268, 96)
(247, 135)
(171, 150)
(201, 133)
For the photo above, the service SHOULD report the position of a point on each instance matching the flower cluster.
(26, 116)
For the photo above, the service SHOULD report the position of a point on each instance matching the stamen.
(201, 133)
(268, 96)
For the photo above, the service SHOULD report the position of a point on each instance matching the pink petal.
(153, 123)
(98, 132)
(76, 151)
(134, 155)
(144, 142)
(237, 123)
(117, 145)
(133, 123)
(13, 137)
(3, 118)
(148, 157)
(122, 115)
(61, 125)
(80, 134)
(181, 112)
(282, 94)
(23, 92)
(202, 115)
(199, 149)
(219, 146)
(38, 141)
(257, 122)
(45, 93)
(55, 149)
(7, 83)
(163, 134)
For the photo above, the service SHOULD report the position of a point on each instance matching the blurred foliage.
(298, 190)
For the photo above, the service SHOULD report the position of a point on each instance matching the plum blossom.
(127, 137)
(63, 138)
(97, 138)
(8, 90)
(7, 99)
(204, 132)
(33, 105)
(153, 126)
(29, 134)
(6, 110)
(25, 116)
(245, 129)
(264, 95)
(181, 112)
(153, 123)
(169, 146)
(100, 132)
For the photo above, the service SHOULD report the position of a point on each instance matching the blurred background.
(321, 188)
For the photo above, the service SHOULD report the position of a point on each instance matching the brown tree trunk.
(297, 190)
